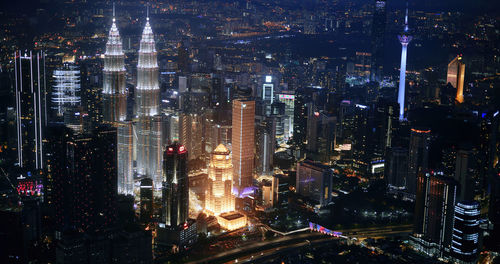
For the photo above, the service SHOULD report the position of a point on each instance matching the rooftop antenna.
(147, 12)
(406, 17)
(113, 11)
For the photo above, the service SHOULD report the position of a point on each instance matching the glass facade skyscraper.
(175, 186)
(31, 110)
(243, 142)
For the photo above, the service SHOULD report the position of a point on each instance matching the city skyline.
(249, 131)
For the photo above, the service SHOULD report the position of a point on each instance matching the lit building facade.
(66, 89)
(175, 186)
(175, 228)
(114, 93)
(465, 241)
(219, 198)
(191, 134)
(125, 158)
(456, 76)
(288, 98)
(243, 142)
(147, 109)
(147, 96)
(434, 213)
(31, 110)
(146, 200)
(232, 220)
(418, 157)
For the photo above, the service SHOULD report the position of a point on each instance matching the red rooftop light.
(182, 149)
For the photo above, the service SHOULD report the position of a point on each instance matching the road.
(273, 251)
(297, 240)
(260, 246)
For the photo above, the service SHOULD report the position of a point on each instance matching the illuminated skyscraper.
(30, 108)
(378, 32)
(147, 91)
(243, 142)
(147, 103)
(405, 39)
(125, 158)
(434, 213)
(175, 186)
(418, 157)
(66, 89)
(288, 98)
(191, 133)
(465, 242)
(175, 228)
(455, 76)
(114, 93)
(219, 197)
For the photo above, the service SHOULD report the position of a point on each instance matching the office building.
(314, 181)
(66, 89)
(270, 192)
(86, 195)
(232, 220)
(191, 134)
(125, 158)
(265, 145)
(456, 76)
(175, 228)
(146, 200)
(288, 98)
(463, 174)
(31, 110)
(434, 213)
(377, 38)
(418, 157)
(396, 168)
(267, 94)
(465, 241)
(219, 198)
(243, 137)
(175, 186)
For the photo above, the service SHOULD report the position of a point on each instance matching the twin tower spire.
(114, 89)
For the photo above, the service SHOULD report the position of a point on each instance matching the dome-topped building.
(219, 197)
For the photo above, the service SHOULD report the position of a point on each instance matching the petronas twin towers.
(143, 135)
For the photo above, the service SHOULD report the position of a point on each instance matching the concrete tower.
(404, 39)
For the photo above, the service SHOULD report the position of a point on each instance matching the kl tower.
(404, 39)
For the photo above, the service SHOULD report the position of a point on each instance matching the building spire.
(113, 11)
(147, 11)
